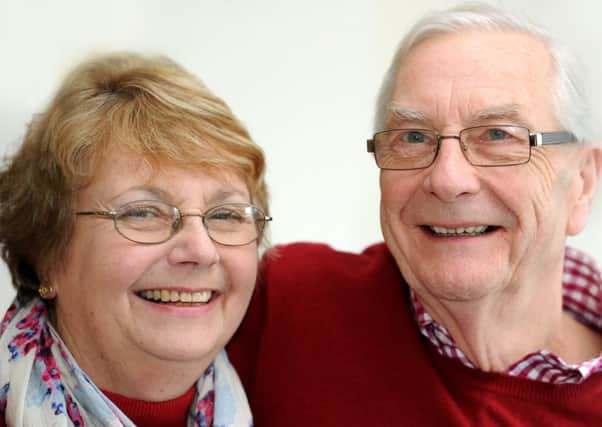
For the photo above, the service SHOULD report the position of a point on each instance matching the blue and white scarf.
(42, 385)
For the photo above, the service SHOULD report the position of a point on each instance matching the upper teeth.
(166, 295)
(460, 230)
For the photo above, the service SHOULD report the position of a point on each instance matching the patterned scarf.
(41, 384)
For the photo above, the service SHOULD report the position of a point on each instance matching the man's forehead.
(474, 42)
(477, 75)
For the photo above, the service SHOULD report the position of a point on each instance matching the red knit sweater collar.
(169, 413)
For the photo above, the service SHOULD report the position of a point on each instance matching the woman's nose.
(193, 244)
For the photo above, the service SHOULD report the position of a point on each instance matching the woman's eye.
(142, 212)
(226, 215)
(230, 215)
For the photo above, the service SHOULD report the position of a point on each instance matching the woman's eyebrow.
(153, 192)
(223, 195)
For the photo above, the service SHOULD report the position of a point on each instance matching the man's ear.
(590, 169)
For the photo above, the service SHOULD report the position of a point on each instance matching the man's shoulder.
(309, 259)
(323, 249)
(315, 294)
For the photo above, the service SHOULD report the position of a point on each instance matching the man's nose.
(451, 175)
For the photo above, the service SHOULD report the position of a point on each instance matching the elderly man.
(462, 317)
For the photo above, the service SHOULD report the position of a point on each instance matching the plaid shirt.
(582, 286)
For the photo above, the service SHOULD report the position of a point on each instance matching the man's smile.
(475, 230)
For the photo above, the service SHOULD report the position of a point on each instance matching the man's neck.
(496, 331)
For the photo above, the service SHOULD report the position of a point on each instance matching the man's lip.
(459, 231)
(452, 225)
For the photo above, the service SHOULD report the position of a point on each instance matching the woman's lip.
(176, 288)
(181, 308)
(166, 295)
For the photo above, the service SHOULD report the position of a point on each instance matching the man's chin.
(454, 284)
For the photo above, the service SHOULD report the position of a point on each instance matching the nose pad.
(176, 224)
(464, 148)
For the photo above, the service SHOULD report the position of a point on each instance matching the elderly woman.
(130, 220)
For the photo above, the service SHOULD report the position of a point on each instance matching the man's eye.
(497, 134)
(413, 137)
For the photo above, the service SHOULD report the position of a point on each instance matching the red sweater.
(329, 340)
(170, 413)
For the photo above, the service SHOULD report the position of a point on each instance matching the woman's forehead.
(120, 175)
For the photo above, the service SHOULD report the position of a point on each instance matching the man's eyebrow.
(405, 114)
(509, 113)
(503, 114)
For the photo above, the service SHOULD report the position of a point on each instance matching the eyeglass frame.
(536, 139)
(177, 224)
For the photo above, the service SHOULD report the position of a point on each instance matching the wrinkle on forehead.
(462, 79)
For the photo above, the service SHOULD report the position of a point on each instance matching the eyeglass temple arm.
(98, 213)
(370, 145)
(547, 138)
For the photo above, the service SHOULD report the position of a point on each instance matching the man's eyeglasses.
(493, 145)
(154, 221)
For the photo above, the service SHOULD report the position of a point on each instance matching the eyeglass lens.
(149, 221)
(482, 146)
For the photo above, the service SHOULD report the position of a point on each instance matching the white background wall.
(302, 75)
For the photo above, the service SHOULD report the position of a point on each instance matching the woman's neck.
(168, 413)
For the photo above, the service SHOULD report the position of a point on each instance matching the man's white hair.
(570, 97)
